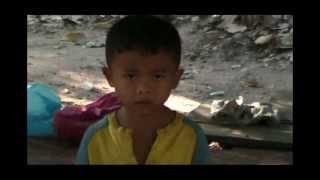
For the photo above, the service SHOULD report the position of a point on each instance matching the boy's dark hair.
(149, 34)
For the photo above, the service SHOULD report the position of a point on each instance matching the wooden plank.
(244, 156)
(50, 151)
(249, 138)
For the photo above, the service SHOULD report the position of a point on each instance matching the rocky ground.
(231, 54)
(213, 59)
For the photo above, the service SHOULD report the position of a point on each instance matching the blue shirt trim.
(82, 155)
(202, 154)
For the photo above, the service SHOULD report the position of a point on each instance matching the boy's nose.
(143, 88)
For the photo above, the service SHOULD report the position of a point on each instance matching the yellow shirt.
(180, 142)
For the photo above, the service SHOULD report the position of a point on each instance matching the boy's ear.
(178, 77)
(107, 74)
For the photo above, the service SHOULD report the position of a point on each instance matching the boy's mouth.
(142, 102)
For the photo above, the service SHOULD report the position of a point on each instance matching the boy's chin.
(143, 106)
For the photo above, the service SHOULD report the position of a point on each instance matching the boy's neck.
(155, 118)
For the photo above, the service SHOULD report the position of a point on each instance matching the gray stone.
(77, 19)
(217, 93)
(215, 16)
(65, 91)
(187, 75)
(195, 18)
(206, 46)
(90, 44)
(87, 86)
(226, 20)
(277, 16)
(265, 60)
(236, 66)
(229, 25)
(263, 39)
(103, 25)
(286, 41)
(214, 48)
(181, 18)
(77, 38)
(244, 69)
(283, 25)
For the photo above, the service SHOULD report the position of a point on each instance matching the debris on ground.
(236, 66)
(235, 113)
(88, 86)
(66, 91)
(103, 25)
(253, 83)
(263, 39)
(217, 93)
(78, 38)
(187, 75)
(195, 18)
(229, 25)
(93, 44)
(215, 146)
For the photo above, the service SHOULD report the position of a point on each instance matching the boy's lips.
(143, 102)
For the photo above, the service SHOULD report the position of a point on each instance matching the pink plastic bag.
(71, 122)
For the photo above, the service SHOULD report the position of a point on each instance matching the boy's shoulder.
(82, 155)
(202, 155)
(188, 121)
(101, 123)
(97, 126)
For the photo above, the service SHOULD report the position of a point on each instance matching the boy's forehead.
(135, 60)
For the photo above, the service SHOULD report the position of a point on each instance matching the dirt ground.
(44, 151)
(67, 66)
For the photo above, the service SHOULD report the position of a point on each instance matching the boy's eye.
(159, 76)
(130, 76)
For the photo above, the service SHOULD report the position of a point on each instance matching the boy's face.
(143, 80)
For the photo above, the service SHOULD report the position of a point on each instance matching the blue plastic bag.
(43, 101)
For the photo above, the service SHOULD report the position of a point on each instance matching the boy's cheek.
(175, 83)
(124, 93)
(121, 97)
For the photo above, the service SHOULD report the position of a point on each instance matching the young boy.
(143, 57)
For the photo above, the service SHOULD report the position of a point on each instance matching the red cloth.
(72, 121)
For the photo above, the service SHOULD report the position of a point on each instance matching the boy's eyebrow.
(154, 71)
(161, 70)
(130, 70)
